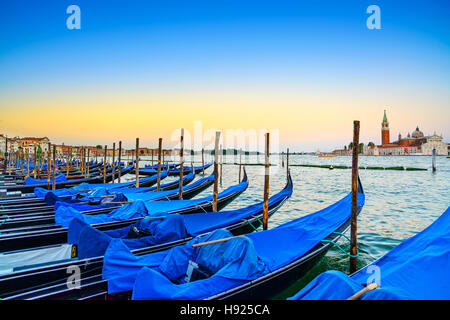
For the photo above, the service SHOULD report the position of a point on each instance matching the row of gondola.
(138, 243)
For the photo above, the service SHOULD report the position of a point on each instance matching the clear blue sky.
(318, 55)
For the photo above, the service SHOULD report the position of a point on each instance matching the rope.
(339, 247)
(254, 228)
(6, 218)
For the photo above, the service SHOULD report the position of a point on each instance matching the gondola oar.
(369, 287)
(213, 242)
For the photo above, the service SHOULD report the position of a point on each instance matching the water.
(398, 203)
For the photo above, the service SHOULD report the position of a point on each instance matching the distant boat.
(327, 155)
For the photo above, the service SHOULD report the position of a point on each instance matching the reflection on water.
(398, 203)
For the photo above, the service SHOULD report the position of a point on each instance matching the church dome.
(417, 133)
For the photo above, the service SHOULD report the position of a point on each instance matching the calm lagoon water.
(398, 203)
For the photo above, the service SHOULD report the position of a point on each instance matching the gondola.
(240, 221)
(40, 276)
(155, 166)
(146, 185)
(149, 169)
(417, 269)
(256, 266)
(20, 177)
(145, 171)
(20, 174)
(186, 170)
(47, 198)
(44, 216)
(64, 184)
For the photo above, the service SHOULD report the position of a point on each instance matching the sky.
(147, 68)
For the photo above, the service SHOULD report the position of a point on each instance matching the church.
(415, 143)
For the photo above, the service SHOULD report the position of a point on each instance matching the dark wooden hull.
(42, 230)
(66, 184)
(92, 285)
(44, 215)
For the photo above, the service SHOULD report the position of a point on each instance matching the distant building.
(13, 144)
(385, 130)
(414, 143)
(2, 146)
(435, 142)
(28, 144)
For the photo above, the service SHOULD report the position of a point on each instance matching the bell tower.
(385, 130)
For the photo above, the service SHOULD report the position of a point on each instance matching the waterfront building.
(28, 144)
(414, 143)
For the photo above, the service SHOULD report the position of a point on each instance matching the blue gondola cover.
(160, 275)
(416, 269)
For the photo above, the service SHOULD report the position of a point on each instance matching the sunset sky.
(146, 68)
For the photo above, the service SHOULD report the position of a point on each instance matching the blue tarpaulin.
(92, 242)
(172, 227)
(161, 194)
(90, 186)
(32, 181)
(416, 269)
(263, 252)
(123, 187)
(41, 192)
(64, 213)
(187, 168)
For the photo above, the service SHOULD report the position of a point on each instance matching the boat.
(155, 166)
(167, 230)
(68, 183)
(23, 206)
(417, 269)
(186, 170)
(146, 185)
(254, 266)
(46, 216)
(19, 234)
(151, 169)
(239, 221)
(327, 156)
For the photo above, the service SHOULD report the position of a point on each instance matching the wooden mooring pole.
(221, 160)
(158, 181)
(120, 159)
(287, 161)
(67, 161)
(104, 163)
(49, 165)
(6, 154)
(266, 184)
(203, 161)
(354, 204)
(34, 163)
(240, 164)
(433, 161)
(89, 161)
(137, 162)
(54, 167)
(114, 163)
(180, 193)
(216, 158)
